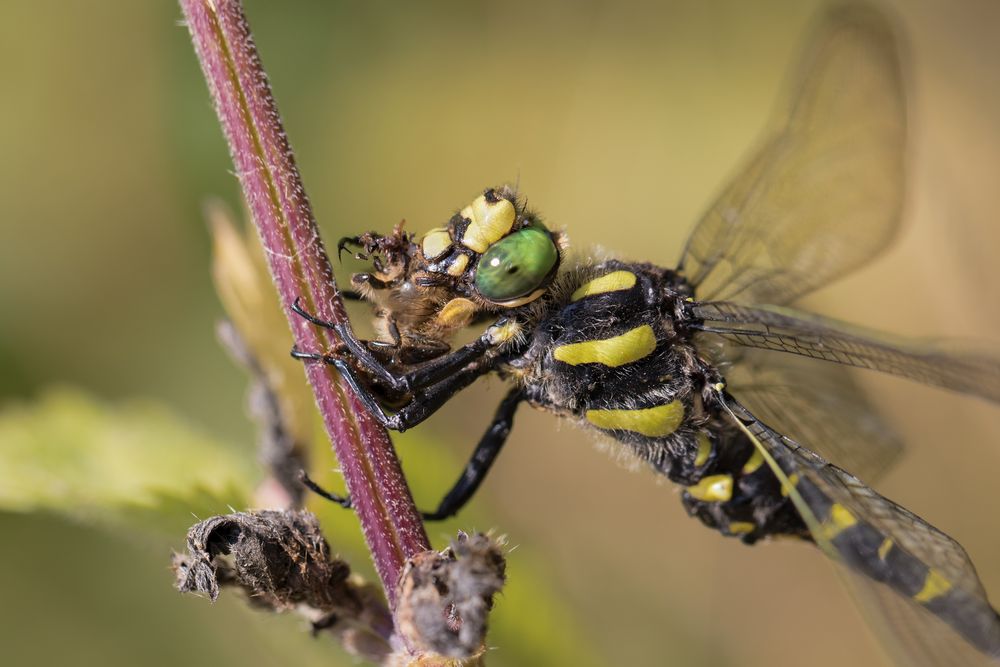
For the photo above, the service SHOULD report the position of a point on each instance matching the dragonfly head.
(491, 256)
(494, 251)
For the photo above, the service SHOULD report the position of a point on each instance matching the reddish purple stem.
(301, 269)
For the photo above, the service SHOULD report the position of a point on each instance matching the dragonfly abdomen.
(868, 551)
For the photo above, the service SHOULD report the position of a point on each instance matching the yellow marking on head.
(615, 351)
(435, 243)
(883, 549)
(935, 585)
(490, 222)
(457, 312)
(719, 386)
(458, 265)
(793, 479)
(840, 519)
(741, 527)
(712, 489)
(501, 333)
(704, 450)
(609, 282)
(653, 422)
(755, 461)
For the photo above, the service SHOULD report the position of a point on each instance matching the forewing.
(818, 403)
(974, 372)
(823, 192)
(917, 636)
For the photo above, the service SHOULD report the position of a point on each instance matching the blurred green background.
(619, 120)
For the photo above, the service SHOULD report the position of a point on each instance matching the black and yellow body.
(614, 346)
(611, 348)
(683, 366)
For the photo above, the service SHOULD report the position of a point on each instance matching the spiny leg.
(343, 501)
(421, 406)
(475, 471)
(352, 342)
(428, 373)
(351, 295)
(482, 459)
(349, 374)
(309, 317)
(348, 242)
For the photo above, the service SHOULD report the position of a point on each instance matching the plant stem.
(301, 269)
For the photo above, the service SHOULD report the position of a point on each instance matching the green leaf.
(134, 462)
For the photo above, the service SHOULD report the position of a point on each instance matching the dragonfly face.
(491, 257)
(634, 351)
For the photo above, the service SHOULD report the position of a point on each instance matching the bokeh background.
(619, 120)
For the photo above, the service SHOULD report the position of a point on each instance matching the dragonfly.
(705, 371)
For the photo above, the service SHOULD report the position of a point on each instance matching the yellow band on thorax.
(654, 422)
(615, 351)
(609, 282)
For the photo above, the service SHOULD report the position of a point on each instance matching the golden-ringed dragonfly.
(684, 365)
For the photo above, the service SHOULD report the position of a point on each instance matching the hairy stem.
(301, 269)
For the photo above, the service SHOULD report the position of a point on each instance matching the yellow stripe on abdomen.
(753, 463)
(884, 548)
(793, 479)
(615, 351)
(741, 527)
(712, 489)
(609, 282)
(654, 422)
(840, 519)
(935, 585)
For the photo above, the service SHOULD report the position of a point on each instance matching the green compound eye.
(517, 265)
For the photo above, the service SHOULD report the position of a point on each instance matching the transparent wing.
(919, 636)
(818, 403)
(891, 553)
(912, 635)
(907, 530)
(785, 330)
(824, 191)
